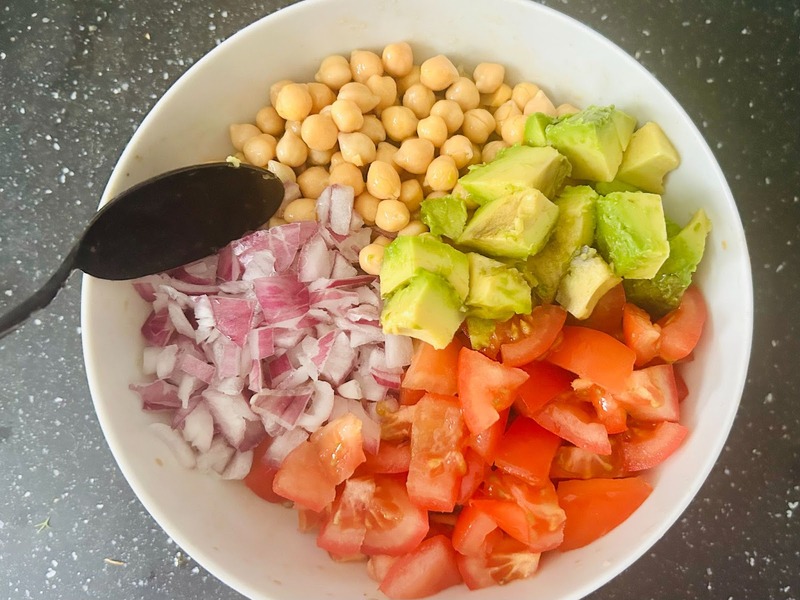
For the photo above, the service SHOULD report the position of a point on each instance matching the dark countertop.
(77, 76)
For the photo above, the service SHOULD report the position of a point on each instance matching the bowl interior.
(254, 546)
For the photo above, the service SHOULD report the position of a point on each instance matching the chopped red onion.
(198, 427)
(179, 447)
(217, 458)
(158, 395)
(282, 444)
(239, 465)
(399, 351)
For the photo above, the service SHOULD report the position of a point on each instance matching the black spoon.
(162, 223)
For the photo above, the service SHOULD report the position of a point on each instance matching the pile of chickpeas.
(395, 131)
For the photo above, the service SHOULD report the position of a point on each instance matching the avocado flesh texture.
(663, 292)
(480, 331)
(496, 290)
(588, 279)
(648, 158)
(535, 127)
(409, 254)
(606, 187)
(426, 308)
(516, 168)
(593, 140)
(513, 226)
(445, 216)
(574, 228)
(631, 233)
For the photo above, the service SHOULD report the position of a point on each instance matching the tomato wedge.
(526, 450)
(681, 328)
(545, 382)
(434, 370)
(508, 560)
(607, 313)
(392, 457)
(395, 525)
(596, 506)
(485, 443)
(640, 334)
(542, 329)
(485, 387)
(571, 462)
(595, 356)
(652, 394)
(574, 420)
(473, 477)
(471, 530)
(342, 533)
(648, 445)
(428, 569)
(262, 474)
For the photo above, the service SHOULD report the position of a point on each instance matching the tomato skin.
(596, 506)
(409, 396)
(526, 451)
(652, 394)
(544, 325)
(545, 382)
(302, 479)
(573, 420)
(434, 370)
(647, 445)
(261, 474)
(428, 569)
(471, 530)
(640, 334)
(392, 457)
(485, 443)
(395, 525)
(485, 387)
(607, 313)
(473, 477)
(571, 462)
(681, 329)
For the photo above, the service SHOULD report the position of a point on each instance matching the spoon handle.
(39, 299)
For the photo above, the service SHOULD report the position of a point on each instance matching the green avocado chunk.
(514, 226)
(535, 127)
(574, 228)
(516, 168)
(648, 158)
(663, 292)
(588, 279)
(496, 290)
(426, 308)
(480, 331)
(445, 215)
(631, 233)
(408, 254)
(606, 187)
(593, 140)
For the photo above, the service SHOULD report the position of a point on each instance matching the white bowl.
(254, 546)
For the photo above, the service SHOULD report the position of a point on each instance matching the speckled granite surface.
(77, 76)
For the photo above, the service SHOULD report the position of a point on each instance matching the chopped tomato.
(652, 394)
(395, 525)
(545, 382)
(485, 387)
(471, 530)
(541, 329)
(596, 506)
(409, 396)
(571, 462)
(609, 411)
(595, 356)
(681, 328)
(378, 566)
(437, 464)
(526, 450)
(648, 445)
(396, 425)
(342, 533)
(434, 370)
(310, 520)
(575, 421)
(261, 474)
(485, 443)
(428, 569)
(508, 560)
(340, 447)
(473, 477)
(392, 457)
(441, 524)
(640, 334)
(607, 313)
(680, 385)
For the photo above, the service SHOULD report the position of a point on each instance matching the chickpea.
(411, 194)
(366, 205)
(488, 77)
(385, 152)
(347, 115)
(364, 64)
(464, 92)
(383, 182)
(334, 71)
(283, 172)
(275, 89)
(275, 221)
(514, 129)
(293, 102)
(319, 132)
(382, 240)
(433, 128)
(269, 121)
(497, 97)
(392, 215)
(241, 132)
(373, 128)
(523, 92)
(260, 149)
(400, 122)
(566, 109)
(459, 148)
(398, 59)
(478, 125)
(451, 112)
(302, 209)
(385, 88)
(438, 73)
(406, 81)
(360, 94)
(504, 112)
(476, 155)
(321, 157)
(291, 150)
(414, 227)
(490, 150)
(294, 126)
(540, 103)
(337, 159)
(414, 155)
(442, 174)
(321, 96)
(356, 148)
(419, 99)
(312, 181)
(346, 173)
(370, 258)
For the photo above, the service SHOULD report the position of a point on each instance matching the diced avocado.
(574, 228)
(445, 215)
(515, 226)
(588, 279)
(480, 331)
(535, 126)
(631, 233)
(648, 158)
(408, 254)
(606, 187)
(593, 140)
(427, 308)
(663, 292)
(496, 291)
(517, 168)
